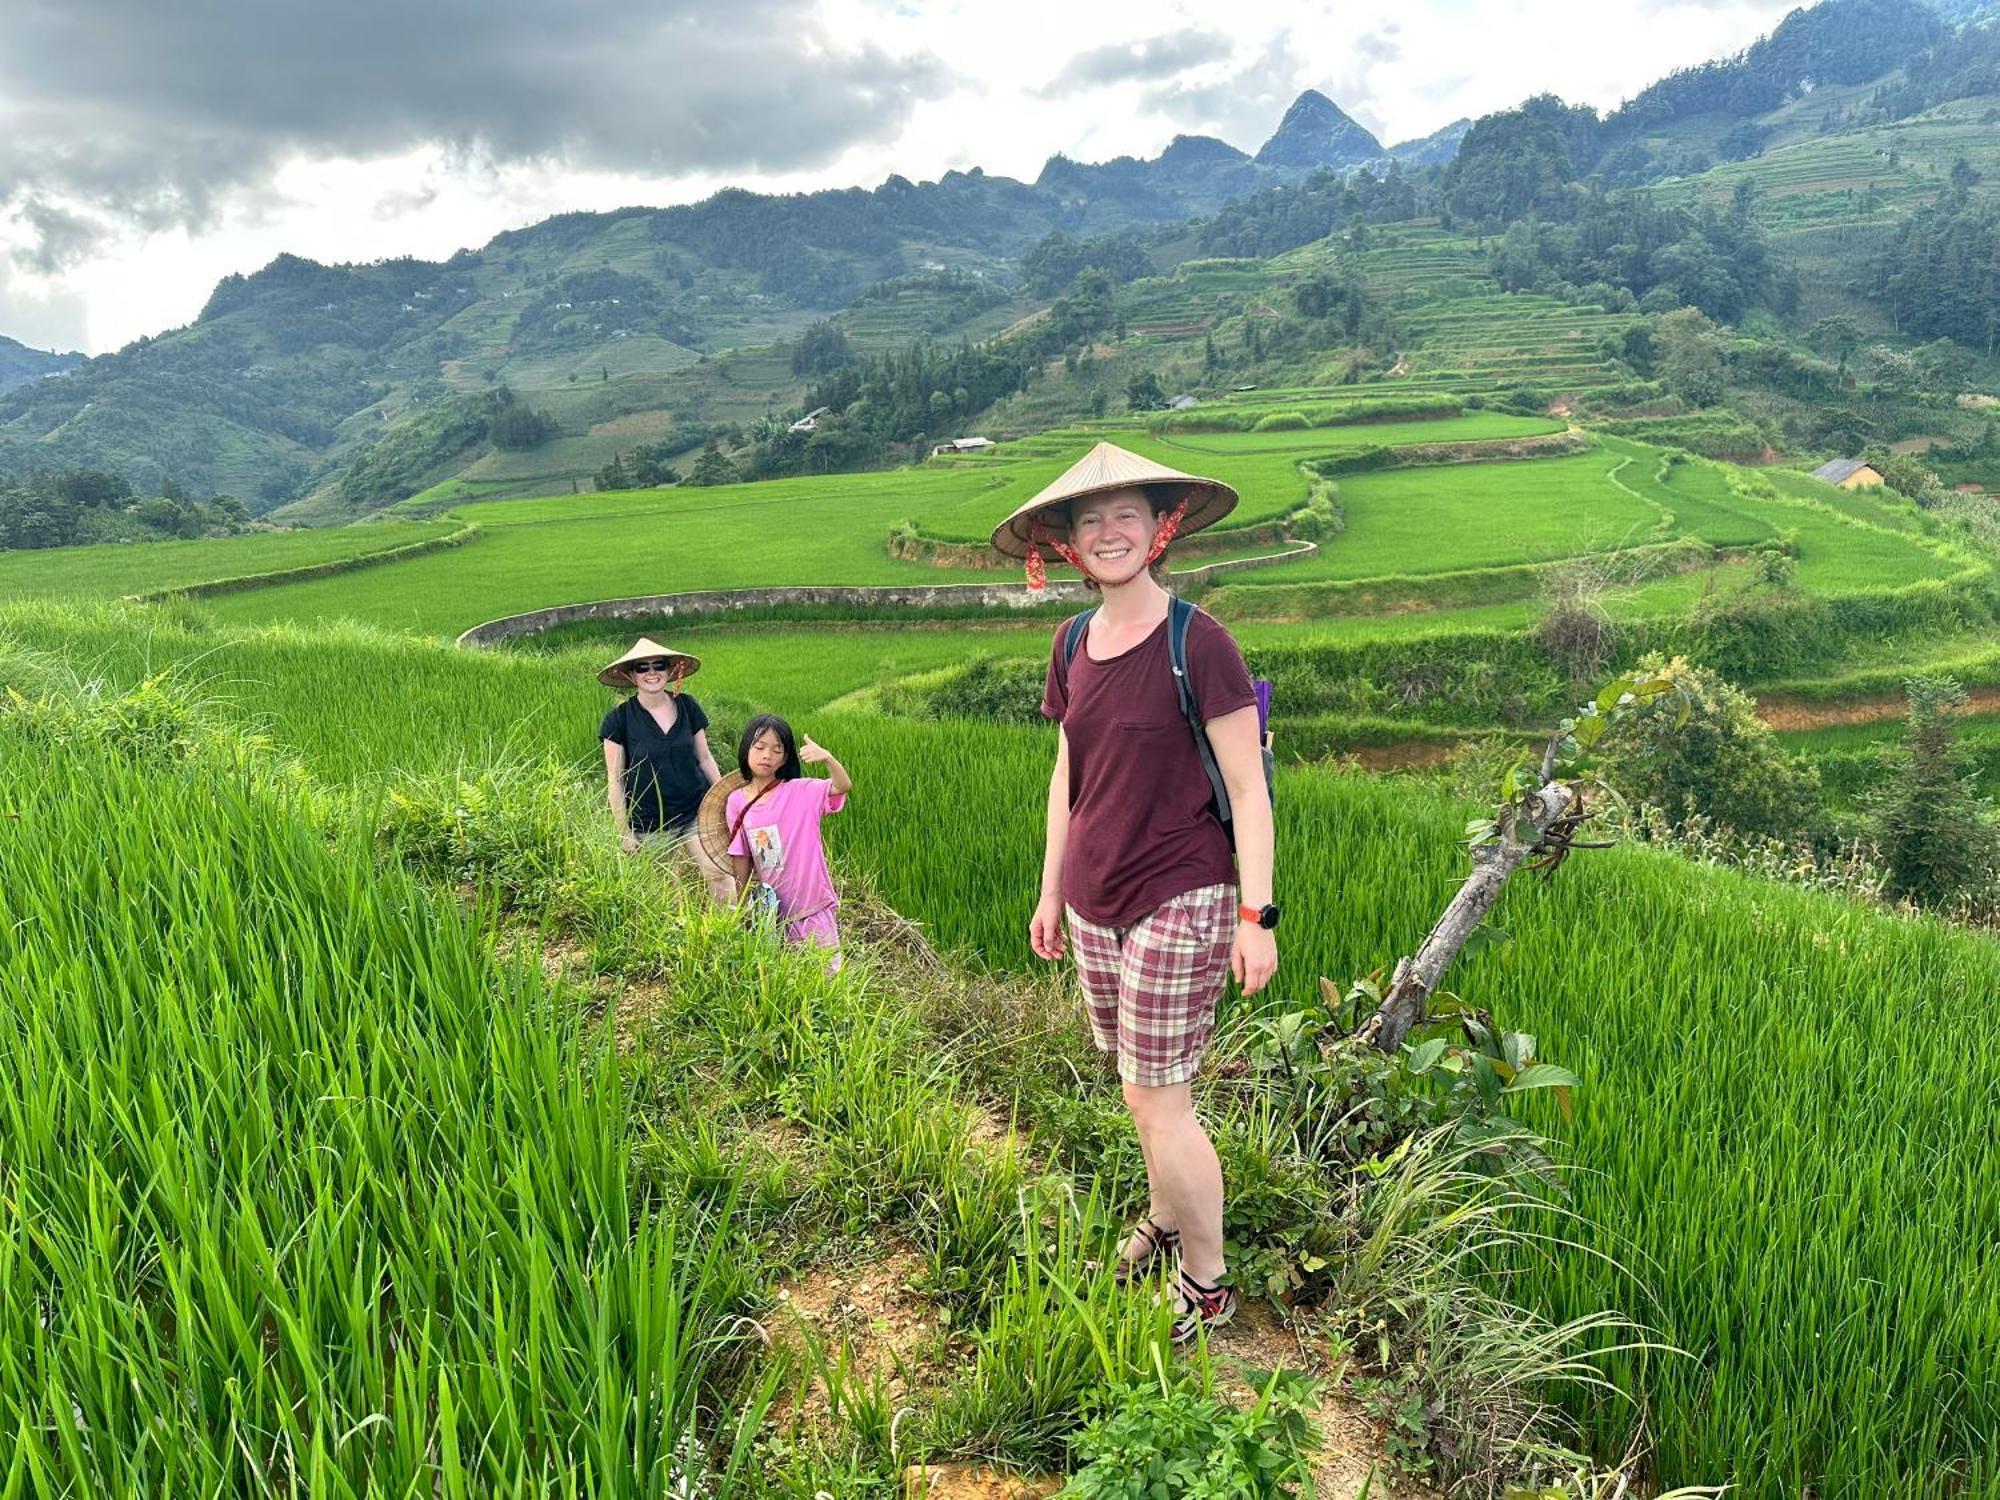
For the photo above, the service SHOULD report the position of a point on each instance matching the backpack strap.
(1073, 635)
(1180, 614)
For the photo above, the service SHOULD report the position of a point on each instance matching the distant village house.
(811, 419)
(963, 445)
(1181, 402)
(1849, 474)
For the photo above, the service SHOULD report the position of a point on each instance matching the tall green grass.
(304, 1190)
(1780, 1130)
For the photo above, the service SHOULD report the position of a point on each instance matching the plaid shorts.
(1150, 989)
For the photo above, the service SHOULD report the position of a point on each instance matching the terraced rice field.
(1400, 527)
(1855, 177)
(915, 313)
(1194, 298)
(128, 567)
(1473, 427)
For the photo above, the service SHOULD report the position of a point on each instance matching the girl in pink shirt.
(774, 829)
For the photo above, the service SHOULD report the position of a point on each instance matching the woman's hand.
(1253, 957)
(629, 841)
(1045, 928)
(812, 753)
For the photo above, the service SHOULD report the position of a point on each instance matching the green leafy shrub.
(1722, 763)
(1322, 515)
(999, 690)
(1282, 421)
(1155, 1438)
(157, 722)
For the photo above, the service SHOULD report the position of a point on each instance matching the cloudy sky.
(148, 149)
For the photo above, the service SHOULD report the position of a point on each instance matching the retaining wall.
(247, 581)
(888, 598)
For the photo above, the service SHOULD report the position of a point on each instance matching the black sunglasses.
(650, 666)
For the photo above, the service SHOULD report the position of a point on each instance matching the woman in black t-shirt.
(657, 764)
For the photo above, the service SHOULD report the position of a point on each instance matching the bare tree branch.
(1416, 977)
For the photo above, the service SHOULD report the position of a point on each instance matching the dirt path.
(1797, 714)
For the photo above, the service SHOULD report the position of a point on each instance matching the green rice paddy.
(115, 568)
(1770, 1136)
(1778, 1137)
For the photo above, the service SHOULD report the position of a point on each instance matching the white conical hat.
(1110, 467)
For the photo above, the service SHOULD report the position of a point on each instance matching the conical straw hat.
(711, 820)
(646, 649)
(1109, 467)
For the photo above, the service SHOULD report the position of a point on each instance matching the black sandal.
(1204, 1308)
(1158, 1242)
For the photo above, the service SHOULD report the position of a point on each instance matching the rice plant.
(304, 1190)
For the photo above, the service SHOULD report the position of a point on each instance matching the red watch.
(1262, 916)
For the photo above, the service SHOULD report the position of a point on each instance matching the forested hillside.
(290, 372)
(19, 364)
(1837, 168)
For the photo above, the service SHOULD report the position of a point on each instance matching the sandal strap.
(1202, 1297)
(1158, 1240)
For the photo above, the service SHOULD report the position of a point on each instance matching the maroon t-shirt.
(1141, 830)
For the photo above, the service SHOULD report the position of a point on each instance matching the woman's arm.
(705, 757)
(740, 863)
(1045, 928)
(614, 793)
(1233, 737)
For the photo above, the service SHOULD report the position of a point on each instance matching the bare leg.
(1157, 1208)
(1185, 1174)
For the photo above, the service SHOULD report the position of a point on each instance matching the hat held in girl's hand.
(683, 663)
(711, 820)
(1105, 468)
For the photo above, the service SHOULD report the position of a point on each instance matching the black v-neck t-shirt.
(664, 783)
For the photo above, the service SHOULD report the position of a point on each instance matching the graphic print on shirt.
(767, 849)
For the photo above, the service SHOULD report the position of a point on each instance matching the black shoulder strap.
(1180, 615)
(1073, 635)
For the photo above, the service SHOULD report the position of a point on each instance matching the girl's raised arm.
(812, 753)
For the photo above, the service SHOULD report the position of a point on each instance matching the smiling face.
(652, 675)
(1113, 534)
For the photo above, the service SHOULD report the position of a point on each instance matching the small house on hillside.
(811, 419)
(1850, 474)
(1181, 402)
(963, 445)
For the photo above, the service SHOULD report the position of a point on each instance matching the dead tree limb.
(1417, 976)
(1534, 825)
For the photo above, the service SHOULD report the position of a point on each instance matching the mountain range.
(292, 373)
(289, 371)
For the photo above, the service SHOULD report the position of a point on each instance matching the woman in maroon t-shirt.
(1138, 865)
